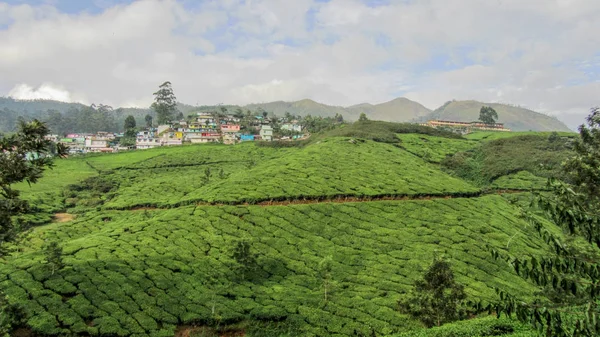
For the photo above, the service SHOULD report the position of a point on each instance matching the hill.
(149, 235)
(302, 108)
(398, 110)
(515, 118)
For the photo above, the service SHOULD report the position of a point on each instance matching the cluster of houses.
(88, 142)
(205, 128)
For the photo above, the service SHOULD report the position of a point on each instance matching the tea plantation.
(149, 250)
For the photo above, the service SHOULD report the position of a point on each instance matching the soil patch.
(63, 217)
(196, 331)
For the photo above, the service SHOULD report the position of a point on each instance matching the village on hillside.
(206, 128)
(202, 128)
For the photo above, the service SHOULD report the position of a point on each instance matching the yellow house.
(179, 135)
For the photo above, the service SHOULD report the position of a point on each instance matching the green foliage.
(385, 132)
(23, 157)
(362, 117)
(165, 103)
(570, 276)
(481, 327)
(494, 159)
(129, 127)
(434, 148)
(143, 271)
(325, 274)
(148, 120)
(245, 259)
(488, 115)
(437, 298)
(174, 265)
(54, 256)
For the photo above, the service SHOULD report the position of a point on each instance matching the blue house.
(246, 137)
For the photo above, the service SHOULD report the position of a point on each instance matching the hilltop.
(148, 237)
(397, 110)
(513, 117)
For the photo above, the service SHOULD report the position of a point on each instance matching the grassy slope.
(499, 161)
(432, 148)
(493, 135)
(146, 271)
(131, 272)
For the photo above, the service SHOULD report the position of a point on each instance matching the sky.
(540, 54)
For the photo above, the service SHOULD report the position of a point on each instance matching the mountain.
(302, 107)
(513, 117)
(398, 110)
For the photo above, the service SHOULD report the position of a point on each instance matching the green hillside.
(302, 108)
(513, 117)
(148, 243)
(398, 110)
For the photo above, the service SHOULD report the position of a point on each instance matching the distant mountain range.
(397, 110)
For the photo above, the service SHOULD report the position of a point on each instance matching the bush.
(269, 313)
(480, 327)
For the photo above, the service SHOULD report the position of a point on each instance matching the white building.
(291, 127)
(266, 132)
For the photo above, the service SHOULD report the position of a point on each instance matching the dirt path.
(346, 199)
(63, 217)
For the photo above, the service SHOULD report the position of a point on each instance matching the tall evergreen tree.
(129, 126)
(165, 103)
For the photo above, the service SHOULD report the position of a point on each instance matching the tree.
(362, 117)
(436, 298)
(165, 103)
(238, 113)
(53, 253)
(488, 115)
(23, 157)
(129, 126)
(148, 120)
(325, 268)
(570, 274)
(244, 257)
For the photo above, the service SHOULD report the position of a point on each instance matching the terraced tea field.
(149, 248)
(145, 272)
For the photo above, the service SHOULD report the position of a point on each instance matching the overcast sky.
(540, 54)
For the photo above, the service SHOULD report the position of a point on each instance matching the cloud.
(542, 54)
(44, 91)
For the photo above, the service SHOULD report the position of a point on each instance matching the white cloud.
(44, 91)
(543, 54)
